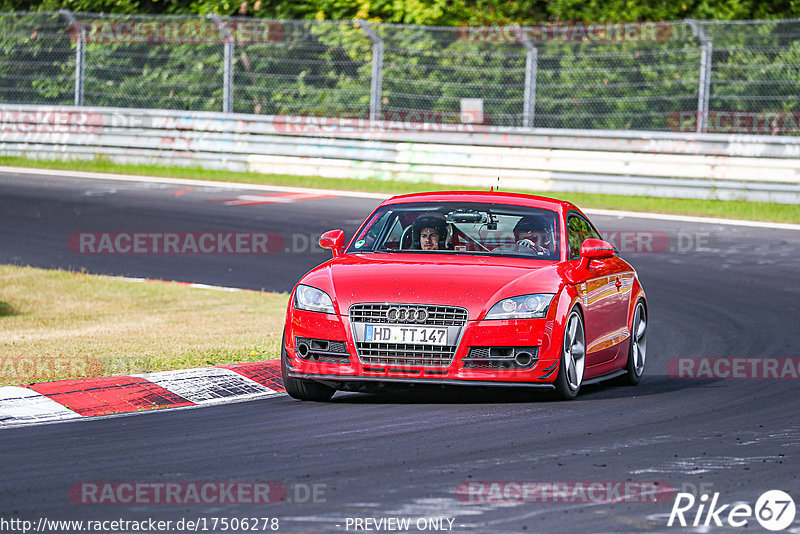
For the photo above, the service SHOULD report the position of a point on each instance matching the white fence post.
(531, 72)
(80, 54)
(227, 69)
(376, 85)
(704, 90)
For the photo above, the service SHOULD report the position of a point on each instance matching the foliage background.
(435, 12)
(322, 64)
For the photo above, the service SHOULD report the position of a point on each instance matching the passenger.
(429, 232)
(533, 235)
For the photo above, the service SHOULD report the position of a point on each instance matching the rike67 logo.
(774, 510)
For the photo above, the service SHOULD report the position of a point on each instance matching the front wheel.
(573, 357)
(299, 389)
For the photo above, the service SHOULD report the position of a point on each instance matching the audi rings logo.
(407, 315)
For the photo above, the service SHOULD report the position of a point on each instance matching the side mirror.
(333, 240)
(595, 249)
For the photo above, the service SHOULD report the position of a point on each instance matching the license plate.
(419, 335)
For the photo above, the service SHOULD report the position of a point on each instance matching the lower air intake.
(321, 350)
(512, 358)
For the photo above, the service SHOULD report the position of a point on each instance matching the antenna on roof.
(499, 168)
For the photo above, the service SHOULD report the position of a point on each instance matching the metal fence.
(699, 76)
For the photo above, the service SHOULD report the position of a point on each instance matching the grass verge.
(57, 325)
(729, 209)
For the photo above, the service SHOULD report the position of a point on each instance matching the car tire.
(637, 350)
(299, 389)
(573, 357)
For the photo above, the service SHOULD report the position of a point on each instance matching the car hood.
(472, 282)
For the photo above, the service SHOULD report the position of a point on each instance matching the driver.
(429, 232)
(532, 235)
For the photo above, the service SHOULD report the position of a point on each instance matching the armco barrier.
(727, 167)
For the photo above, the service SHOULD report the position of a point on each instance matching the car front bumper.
(460, 369)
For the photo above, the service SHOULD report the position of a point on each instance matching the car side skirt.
(607, 376)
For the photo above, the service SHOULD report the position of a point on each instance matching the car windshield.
(461, 228)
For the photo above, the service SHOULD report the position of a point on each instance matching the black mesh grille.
(437, 315)
(337, 346)
(405, 354)
(478, 352)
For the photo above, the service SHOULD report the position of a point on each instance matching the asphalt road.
(39, 214)
(721, 291)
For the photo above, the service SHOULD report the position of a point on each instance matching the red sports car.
(466, 288)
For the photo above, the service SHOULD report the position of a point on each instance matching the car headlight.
(522, 307)
(312, 299)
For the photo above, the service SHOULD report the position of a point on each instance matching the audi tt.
(466, 289)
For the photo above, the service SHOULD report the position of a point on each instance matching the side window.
(578, 230)
(369, 234)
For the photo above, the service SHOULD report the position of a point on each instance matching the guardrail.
(726, 167)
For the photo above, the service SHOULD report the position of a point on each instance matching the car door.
(621, 279)
(598, 293)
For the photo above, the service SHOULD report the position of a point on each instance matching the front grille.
(398, 355)
(437, 315)
(405, 354)
(498, 358)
